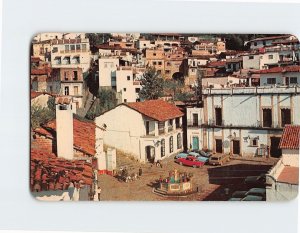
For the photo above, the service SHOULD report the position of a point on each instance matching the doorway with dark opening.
(275, 151)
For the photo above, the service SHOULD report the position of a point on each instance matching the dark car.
(256, 181)
(260, 192)
(202, 153)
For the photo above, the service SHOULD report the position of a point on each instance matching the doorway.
(195, 143)
(236, 147)
(219, 146)
(275, 151)
(150, 153)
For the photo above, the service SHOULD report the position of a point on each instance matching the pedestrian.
(140, 171)
(99, 193)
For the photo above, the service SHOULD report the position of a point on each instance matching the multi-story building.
(283, 75)
(107, 71)
(68, 82)
(71, 53)
(128, 83)
(243, 121)
(149, 131)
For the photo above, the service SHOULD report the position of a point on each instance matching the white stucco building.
(243, 121)
(286, 75)
(128, 84)
(149, 131)
(107, 71)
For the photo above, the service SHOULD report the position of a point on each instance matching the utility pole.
(200, 74)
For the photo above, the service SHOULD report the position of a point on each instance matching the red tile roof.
(270, 38)
(280, 69)
(156, 109)
(34, 94)
(84, 134)
(289, 175)
(35, 59)
(290, 137)
(216, 64)
(63, 100)
(46, 70)
(57, 173)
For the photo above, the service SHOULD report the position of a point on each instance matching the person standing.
(99, 193)
(140, 171)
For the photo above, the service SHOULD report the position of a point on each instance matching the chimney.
(64, 127)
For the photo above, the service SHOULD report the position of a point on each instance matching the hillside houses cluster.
(247, 99)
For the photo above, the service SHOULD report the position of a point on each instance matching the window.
(167, 71)
(124, 89)
(137, 90)
(67, 60)
(218, 116)
(254, 142)
(75, 77)
(251, 57)
(159, 63)
(125, 100)
(72, 47)
(267, 117)
(128, 77)
(195, 119)
(50, 89)
(54, 50)
(66, 90)
(58, 60)
(154, 54)
(75, 90)
(78, 47)
(285, 116)
(162, 148)
(293, 80)
(66, 75)
(271, 81)
(171, 144)
(154, 63)
(179, 141)
(77, 60)
(67, 48)
(270, 57)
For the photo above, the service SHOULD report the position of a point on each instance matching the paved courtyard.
(211, 180)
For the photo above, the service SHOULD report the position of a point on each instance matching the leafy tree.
(152, 84)
(40, 115)
(51, 103)
(97, 39)
(105, 100)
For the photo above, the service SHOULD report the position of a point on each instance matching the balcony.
(74, 51)
(258, 125)
(192, 123)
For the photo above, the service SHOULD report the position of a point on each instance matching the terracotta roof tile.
(280, 69)
(83, 132)
(289, 175)
(156, 109)
(216, 64)
(35, 71)
(290, 137)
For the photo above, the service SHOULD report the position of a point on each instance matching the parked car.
(190, 161)
(260, 192)
(198, 156)
(256, 181)
(219, 159)
(253, 198)
(203, 153)
(181, 155)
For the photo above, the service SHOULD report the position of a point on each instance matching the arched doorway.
(150, 153)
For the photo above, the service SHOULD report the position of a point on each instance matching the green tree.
(152, 84)
(105, 100)
(97, 39)
(40, 115)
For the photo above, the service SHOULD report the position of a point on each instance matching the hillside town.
(164, 116)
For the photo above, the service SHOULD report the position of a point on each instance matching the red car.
(190, 161)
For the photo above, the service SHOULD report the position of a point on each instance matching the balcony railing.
(257, 125)
(74, 51)
(192, 123)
